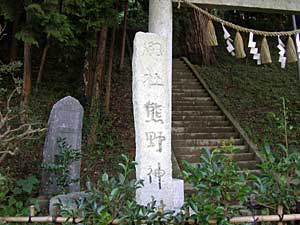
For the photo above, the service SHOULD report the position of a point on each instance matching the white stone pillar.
(172, 193)
(161, 23)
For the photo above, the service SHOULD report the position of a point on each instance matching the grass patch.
(253, 93)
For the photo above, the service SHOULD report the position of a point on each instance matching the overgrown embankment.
(253, 94)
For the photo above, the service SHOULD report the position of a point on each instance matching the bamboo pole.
(244, 219)
(40, 219)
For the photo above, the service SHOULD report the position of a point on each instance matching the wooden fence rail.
(279, 218)
(234, 220)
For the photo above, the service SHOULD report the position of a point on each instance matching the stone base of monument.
(67, 201)
(43, 202)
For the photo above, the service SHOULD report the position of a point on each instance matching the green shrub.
(16, 196)
(219, 184)
(60, 168)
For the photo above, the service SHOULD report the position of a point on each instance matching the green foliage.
(65, 157)
(278, 182)
(7, 9)
(138, 14)
(50, 21)
(88, 16)
(26, 37)
(283, 123)
(8, 71)
(15, 197)
(218, 182)
(111, 198)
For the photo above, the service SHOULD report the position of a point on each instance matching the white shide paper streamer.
(282, 58)
(298, 45)
(254, 50)
(229, 41)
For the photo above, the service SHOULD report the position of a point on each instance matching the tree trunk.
(197, 48)
(109, 73)
(98, 77)
(89, 70)
(14, 43)
(122, 57)
(26, 74)
(42, 65)
(100, 65)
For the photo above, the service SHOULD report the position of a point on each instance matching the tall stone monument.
(65, 122)
(152, 116)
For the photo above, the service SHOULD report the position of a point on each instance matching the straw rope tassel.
(265, 52)
(291, 51)
(211, 34)
(239, 46)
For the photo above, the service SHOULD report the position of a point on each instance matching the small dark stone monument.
(65, 122)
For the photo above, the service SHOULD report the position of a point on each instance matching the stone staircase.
(200, 121)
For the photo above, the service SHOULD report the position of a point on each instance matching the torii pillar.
(161, 23)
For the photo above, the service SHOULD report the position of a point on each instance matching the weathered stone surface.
(257, 5)
(152, 114)
(65, 121)
(67, 202)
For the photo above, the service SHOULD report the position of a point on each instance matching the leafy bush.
(278, 182)
(219, 184)
(61, 168)
(15, 197)
(113, 199)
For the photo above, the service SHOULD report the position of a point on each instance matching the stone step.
(186, 86)
(202, 142)
(196, 90)
(198, 103)
(188, 79)
(180, 77)
(182, 74)
(179, 95)
(194, 108)
(198, 118)
(202, 124)
(194, 158)
(178, 62)
(250, 165)
(180, 67)
(186, 82)
(193, 99)
(200, 149)
(182, 136)
(197, 113)
(178, 130)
